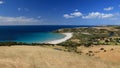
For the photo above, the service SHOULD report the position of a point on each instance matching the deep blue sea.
(31, 34)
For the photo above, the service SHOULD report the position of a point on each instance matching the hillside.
(42, 57)
(78, 52)
(103, 35)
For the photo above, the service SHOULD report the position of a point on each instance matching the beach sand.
(68, 36)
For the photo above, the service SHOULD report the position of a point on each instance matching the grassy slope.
(41, 57)
(94, 35)
(108, 53)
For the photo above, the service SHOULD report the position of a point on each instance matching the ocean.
(31, 34)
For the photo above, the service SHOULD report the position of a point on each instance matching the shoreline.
(68, 36)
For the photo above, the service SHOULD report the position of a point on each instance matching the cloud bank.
(91, 15)
(108, 8)
(15, 20)
(97, 15)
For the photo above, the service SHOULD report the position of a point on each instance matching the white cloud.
(97, 15)
(108, 8)
(15, 20)
(76, 14)
(76, 10)
(39, 17)
(67, 16)
(19, 9)
(73, 15)
(22, 9)
(1, 2)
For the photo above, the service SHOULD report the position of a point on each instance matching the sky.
(59, 12)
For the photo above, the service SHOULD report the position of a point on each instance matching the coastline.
(68, 36)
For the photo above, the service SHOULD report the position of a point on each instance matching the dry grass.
(41, 57)
(107, 28)
(107, 53)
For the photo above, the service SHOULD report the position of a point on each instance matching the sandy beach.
(68, 36)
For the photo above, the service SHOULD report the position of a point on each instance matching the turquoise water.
(32, 34)
(39, 37)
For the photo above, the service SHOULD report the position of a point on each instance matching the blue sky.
(59, 12)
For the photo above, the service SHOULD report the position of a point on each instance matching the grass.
(42, 57)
